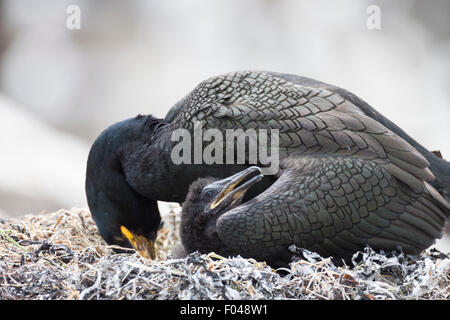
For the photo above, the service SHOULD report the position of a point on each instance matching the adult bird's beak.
(141, 244)
(232, 190)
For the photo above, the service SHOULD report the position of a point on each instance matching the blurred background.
(60, 87)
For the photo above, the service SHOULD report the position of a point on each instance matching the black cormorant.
(130, 167)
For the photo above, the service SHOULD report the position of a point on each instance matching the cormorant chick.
(206, 200)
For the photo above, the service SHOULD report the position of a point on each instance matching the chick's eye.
(207, 193)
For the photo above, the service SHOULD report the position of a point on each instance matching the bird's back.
(311, 117)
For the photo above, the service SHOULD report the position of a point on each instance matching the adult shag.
(130, 165)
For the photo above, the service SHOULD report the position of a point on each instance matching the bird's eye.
(208, 193)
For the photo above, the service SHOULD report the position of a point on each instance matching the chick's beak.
(144, 246)
(233, 187)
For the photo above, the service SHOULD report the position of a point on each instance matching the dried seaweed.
(61, 256)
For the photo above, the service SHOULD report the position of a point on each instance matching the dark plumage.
(111, 199)
(332, 205)
(130, 167)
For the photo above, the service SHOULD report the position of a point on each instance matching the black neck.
(112, 200)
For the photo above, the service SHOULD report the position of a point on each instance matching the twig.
(94, 286)
(8, 238)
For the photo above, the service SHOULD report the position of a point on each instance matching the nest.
(61, 256)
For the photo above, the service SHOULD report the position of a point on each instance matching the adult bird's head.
(123, 216)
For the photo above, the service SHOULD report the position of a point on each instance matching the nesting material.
(61, 256)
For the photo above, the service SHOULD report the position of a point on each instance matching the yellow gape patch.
(141, 244)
